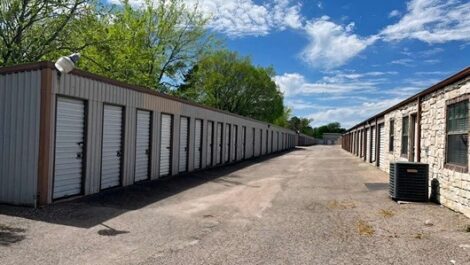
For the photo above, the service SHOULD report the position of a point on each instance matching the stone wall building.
(431, 127)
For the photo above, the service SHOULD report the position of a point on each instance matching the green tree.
(152, 45)
(301, 125)
(283, 120)
(31, 30)
(227, 81)
(334, 127)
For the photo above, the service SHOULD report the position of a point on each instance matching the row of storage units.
(367, 142)
(305, 140)
(81, 134)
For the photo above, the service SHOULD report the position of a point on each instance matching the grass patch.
(386, 213)
(364, 229)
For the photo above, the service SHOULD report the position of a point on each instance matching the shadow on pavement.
(92, 210)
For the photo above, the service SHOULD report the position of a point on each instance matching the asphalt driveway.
(314, 205)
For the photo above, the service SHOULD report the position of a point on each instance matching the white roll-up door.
(243, 142)
(197, 143)
(271, 146)
(235, 143)
(227, 139)
(381, 145)
(253, 141)
(373, 133)
(111, 156)
(166, 131)
(142, 145)
(219, 143)
(267, 143)
(260, 141)
(69, 147)
(368, 145)
(210, 142)
(183, 151)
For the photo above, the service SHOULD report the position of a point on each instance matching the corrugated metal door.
(271, 147)
(227, 143)
(166, 132)
(197, 143)
(111, 156)
(368, 145)
(210, 142)
(267, 142)
(381, 145)
(69, 147)
(253, 138)
(142, 145)
(243, 142)
(184, 137)
(373, 133)
(260, 141)
(219, 143)
(235, 143)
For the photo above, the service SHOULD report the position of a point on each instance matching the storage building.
(431, 127)
(65, 135)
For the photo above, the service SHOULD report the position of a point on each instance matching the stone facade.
(454, 187)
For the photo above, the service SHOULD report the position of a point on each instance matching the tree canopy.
(334, 127)
(227, 81)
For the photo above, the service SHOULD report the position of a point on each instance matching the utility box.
(409, 181)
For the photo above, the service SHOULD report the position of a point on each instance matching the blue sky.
(346, 60)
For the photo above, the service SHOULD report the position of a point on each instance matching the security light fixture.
(66, 64)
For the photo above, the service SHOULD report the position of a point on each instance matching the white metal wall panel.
(69, 147)
(183, 144)
(142, 145)
(228, 139)
(253, 141)
(260, 141)
(373, 133)
(381, 145)
(219, 143)
(197, 143)
(210, 142)
(20, 96)
(112, 146)
(166, 130)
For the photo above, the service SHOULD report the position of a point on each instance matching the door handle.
(118, 153)
(79, 155)
(168, 147)
(147, 152)
(80, 144)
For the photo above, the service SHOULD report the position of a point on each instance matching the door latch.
(118, 153)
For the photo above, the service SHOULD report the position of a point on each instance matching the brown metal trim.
(26, 67)
(45, 132)
(448, 81)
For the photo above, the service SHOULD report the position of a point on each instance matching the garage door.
(368, 145)
(373, 133)
(184, 139)
(197, 143)
(253, 143)
(69, 147)
(381, 145)
(267, 142)
(142, 145)
(112, 146)
(166, 132)
(271, 146)
(235, 143)
(243, 142)
(210, 142)
(227, 139)
(219, 143)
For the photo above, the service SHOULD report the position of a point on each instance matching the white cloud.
(394, 13)
(238, 18)
(351, 115)
(432, 21)
(332, 45)
(334, 84)
(404, 62)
